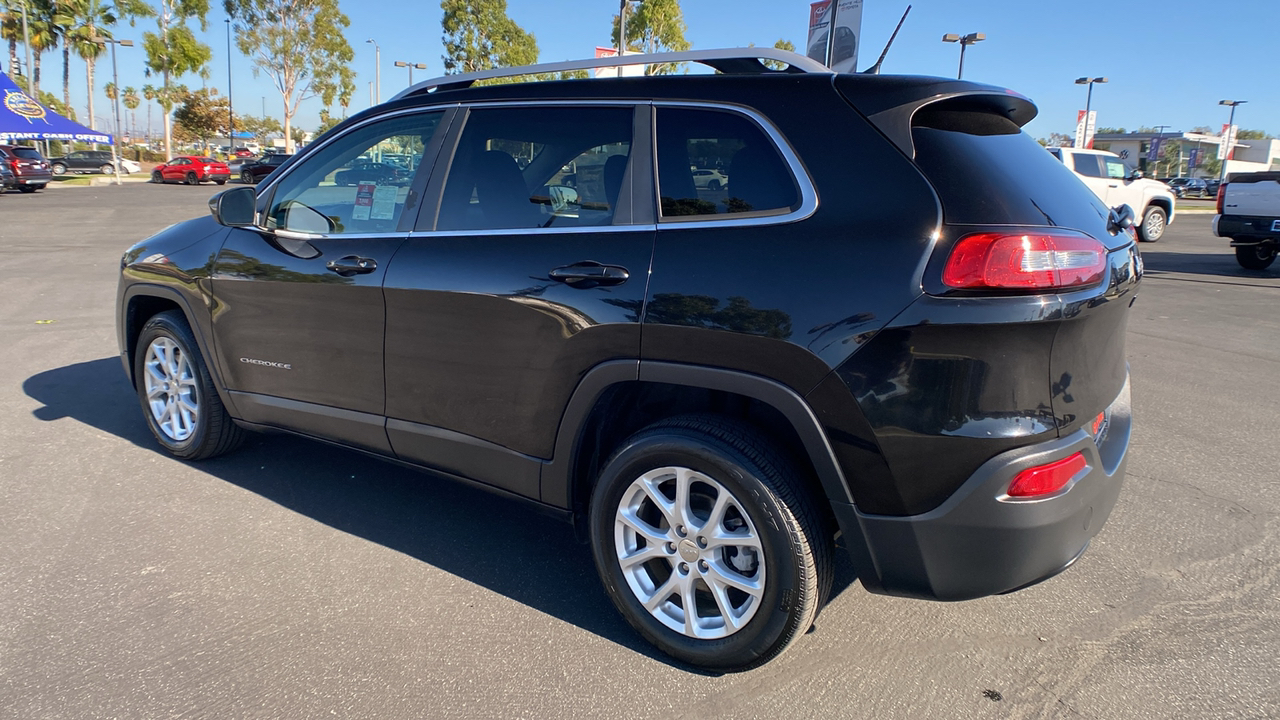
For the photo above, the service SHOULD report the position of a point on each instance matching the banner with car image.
(848, 28)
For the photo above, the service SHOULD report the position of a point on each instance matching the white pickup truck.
(1106, 175)
(1249, 214)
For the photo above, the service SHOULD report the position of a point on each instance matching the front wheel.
(713, 185)
(107, 169)
(1256, 257)
(708, 543)
(156, 177)
(1154, 221)
(178, 397)
(59, 169)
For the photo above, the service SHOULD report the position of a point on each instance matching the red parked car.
(192, 171)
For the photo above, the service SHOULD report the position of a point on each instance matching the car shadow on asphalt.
(492, 541)
(1219, 264)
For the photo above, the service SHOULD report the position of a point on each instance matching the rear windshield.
(988, 172)
(27, 153)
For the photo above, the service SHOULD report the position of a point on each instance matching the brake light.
(1031, 261)
(1047, 479)
(1222, 193)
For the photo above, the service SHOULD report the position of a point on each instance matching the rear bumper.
(975, 544)
(1244, 227)
(31, 178)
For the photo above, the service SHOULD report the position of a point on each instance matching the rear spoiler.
(1255, 177)
(891, 102)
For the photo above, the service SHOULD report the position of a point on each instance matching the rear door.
(1092, 172)
(532, 272)
(299, 310)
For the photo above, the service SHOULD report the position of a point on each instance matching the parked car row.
(1185, 187)
(91, 161)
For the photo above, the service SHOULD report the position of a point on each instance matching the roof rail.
(731, 61)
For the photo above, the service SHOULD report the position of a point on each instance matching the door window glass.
(536, 167)
(1087, 164)
(1115, 168)
(358, 183)
(712, 162)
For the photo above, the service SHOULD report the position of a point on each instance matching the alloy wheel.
(170, 383)
(689, 552)
(1155, 225)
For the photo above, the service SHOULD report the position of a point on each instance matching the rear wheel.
(708, 544)
(1256, 257)
(107, 169)
(178, 397)
(29, 188)
(1153, 224)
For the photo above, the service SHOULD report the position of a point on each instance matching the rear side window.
(1087, 164)
(987, 171)
(713, 162)
(537, 167)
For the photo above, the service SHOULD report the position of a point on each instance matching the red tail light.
(1033, 261)
(1222, 192)
(1046, 479)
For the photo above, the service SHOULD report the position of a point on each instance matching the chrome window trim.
(563, 230)
(808, 194)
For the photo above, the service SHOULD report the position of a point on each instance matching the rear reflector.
(1041, 261)
(1046, 479)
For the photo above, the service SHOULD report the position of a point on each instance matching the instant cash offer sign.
(848, 29)
(22, 118)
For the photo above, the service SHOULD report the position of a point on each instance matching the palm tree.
(44, 34)
(131, 102)
(149, 92)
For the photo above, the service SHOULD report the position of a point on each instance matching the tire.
(192, 179)
(1256, 257)
(219, 182)
(29, 188)
(107, 170)
(156, 177)
(59, 169)
(246, 177)
(192, 423)
(784, 544)
(1154, 221)
(713, 185)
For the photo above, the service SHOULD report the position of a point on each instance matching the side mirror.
(236, 207)
(1136, 175)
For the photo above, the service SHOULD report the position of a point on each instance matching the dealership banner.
(1084, 130)
(1193, 156)
(844, 46)
(1153, 151)
(1227, 146)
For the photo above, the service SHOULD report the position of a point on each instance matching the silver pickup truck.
(1249, 214)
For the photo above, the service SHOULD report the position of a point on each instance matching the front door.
(298, 311)
(533, 272)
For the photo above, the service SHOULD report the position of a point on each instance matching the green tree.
(174, 51)
(655, 26)
(1209, 165)
(478, 35)
(84, 22)
(327, 122)
(1243, 134)
(780, 45)
(259, 127)
(300, 45)
(203, 113)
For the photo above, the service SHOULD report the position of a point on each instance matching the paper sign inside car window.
(384, 202)
(364, 201)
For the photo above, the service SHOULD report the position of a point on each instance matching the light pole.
(377, 70)
(115, 80)
(411, 66)
(26, 42)
(1088, 101)
(231, 118)
(1227, 143)
(965, 41)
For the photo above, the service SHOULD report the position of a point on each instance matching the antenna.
(875, 69)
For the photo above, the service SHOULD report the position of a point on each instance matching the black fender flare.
(197, 329)
(557, 478)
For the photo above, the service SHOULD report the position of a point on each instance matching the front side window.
(358, 183)
(1115, 168)
(537, 167)
(713, 162)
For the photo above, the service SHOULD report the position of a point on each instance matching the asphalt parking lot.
(294, 580)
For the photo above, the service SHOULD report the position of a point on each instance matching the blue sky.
(1169, 62)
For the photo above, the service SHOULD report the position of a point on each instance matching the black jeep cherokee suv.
(716, 385)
